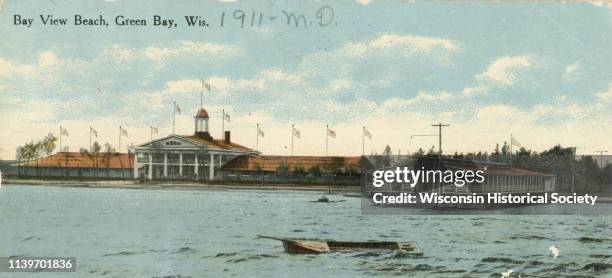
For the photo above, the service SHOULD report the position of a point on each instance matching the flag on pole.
(177, 108)
(366, 133)
(331, 133)
(515, 142)
(63, 131)
(296, 133)
(93, 131)
(123, 132)
(226, 117)
(260, 132)
(206, 85)
(154, 130)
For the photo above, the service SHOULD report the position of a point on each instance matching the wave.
(530, 237)
(592, 240)
(122, 253)
(184, 250)
(30, 238)
(226, 254)
(598, 268)
(501, 260)
(251, 257)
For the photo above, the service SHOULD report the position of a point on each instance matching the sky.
(540, 71)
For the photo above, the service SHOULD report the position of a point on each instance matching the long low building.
(196, 157)
(499, 177)
(122, 165)
(271, 163)
(79, 165)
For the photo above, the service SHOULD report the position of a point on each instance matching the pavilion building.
(190, 157)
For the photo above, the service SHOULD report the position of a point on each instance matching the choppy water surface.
(201, 233)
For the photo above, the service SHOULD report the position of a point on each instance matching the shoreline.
(180, 185)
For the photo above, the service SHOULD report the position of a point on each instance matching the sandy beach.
(180, 185)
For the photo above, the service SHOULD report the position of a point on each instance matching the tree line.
(580, 174)
(35, 151)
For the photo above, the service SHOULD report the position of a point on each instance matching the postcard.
(305, 138)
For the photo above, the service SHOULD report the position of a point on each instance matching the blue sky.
(540, 71)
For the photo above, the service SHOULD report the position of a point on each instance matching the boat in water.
(317, 246)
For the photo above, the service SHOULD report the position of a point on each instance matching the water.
(205, 233)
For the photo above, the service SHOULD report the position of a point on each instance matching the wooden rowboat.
(316, 246)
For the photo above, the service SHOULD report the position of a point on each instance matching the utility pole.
(601, 158)
(440, 125)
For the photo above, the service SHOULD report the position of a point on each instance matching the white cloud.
(121, 53)
(571, 70)
(223, 84)
(503, 70)
(395, 44)
(411, 43)
(605, 96)
(364, 2)
(422, 97)
(338, 85)
(606, 3)
(191, 49)
(470, 91)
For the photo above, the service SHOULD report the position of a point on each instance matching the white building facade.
(187, 157)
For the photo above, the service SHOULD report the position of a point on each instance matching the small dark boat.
(316, 246)
(323, 200)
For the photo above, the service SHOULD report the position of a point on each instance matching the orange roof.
(272, 163)
(84, 160)
(218, 144)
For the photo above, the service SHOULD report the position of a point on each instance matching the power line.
(440, 125)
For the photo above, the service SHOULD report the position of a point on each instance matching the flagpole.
(223, 123)
(60, 145)
(510, 148)
(119, 149)
(173, 117)
(257, 139)
(89, 138)
(363, 141)
(326, 138)
(202, 94)
(292, 127)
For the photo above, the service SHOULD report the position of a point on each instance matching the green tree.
(106, 157)
(419, 152)
(49, 143)
(283, 168)
(432, 150)
(94, 154)
(315, 171)
(298, 170)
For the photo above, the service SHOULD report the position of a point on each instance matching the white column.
(220, 163)
(165, 165)
(135, 166)
(196, 166)
(150, 166)
(180, 164)
(211, 164)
